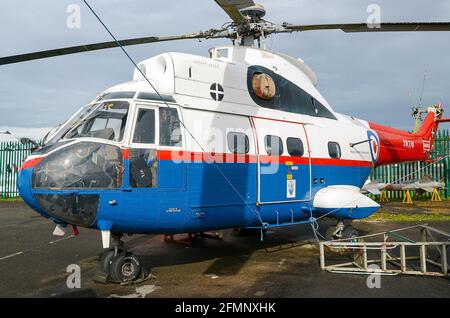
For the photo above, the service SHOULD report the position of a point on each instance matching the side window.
(295, 147)
(334, 150)
(143, 168)
(169, 127)
(274, 145)
(238, 143)
(285, 95)
(144, 132)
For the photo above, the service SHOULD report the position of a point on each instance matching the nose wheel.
(119, 266)
(125, 267)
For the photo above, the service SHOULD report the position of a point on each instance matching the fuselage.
(212, 155)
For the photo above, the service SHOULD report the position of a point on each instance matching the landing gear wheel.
(341, 232)
(350, 233)
(105, 260)
(125, 267)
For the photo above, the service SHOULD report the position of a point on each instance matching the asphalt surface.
(33, 264)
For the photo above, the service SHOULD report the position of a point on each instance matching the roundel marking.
(216, 91)
(374, 146)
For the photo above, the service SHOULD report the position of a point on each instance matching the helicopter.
(239, 139)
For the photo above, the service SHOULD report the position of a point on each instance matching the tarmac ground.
(33, 263)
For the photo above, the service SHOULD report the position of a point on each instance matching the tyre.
(105, 260)
(349, 233)
(125, 267)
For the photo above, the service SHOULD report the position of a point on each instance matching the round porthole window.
(263, 86)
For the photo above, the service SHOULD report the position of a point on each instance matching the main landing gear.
(119, 266)
(341, 231)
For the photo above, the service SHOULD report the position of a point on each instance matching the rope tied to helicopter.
(255, 212)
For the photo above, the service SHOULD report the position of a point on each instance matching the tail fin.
(401, 146)
(430, 124)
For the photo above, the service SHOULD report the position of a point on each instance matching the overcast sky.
(365, 75)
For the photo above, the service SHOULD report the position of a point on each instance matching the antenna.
(417, 110)
(423, 88)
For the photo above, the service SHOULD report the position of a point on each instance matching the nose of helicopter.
(65, 184)
(24, 183)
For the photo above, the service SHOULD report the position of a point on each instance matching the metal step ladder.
(383, 253)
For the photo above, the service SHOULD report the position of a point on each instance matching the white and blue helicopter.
(239, 139)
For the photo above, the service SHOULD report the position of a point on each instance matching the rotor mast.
(248, 25)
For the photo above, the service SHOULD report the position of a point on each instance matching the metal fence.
(437, 168)
(12, 154)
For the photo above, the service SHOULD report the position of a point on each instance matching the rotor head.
(254, 13)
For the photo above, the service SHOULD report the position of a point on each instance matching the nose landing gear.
(118, 265)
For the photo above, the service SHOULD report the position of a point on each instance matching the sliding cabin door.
(284, 171)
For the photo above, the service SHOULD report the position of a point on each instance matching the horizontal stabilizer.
(373, 187)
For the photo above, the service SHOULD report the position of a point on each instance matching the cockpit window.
(62, 130)
(169, 127)
(80, 165)
(144, 132)
(116, 95)
(107, 121)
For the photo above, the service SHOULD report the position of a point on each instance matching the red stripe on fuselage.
(126, 153)
(187, 156)
(31, 163)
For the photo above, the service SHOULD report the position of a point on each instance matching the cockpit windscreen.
(107, 121)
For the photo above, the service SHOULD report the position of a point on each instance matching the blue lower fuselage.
(200, 196)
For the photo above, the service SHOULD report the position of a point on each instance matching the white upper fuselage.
(188, 78)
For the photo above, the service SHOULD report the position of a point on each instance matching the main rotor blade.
(107, 45)
(233, 7)
(383, 27)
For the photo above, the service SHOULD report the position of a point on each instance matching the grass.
(16, 199)
(403, 217)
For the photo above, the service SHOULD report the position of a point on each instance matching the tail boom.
(398, 146)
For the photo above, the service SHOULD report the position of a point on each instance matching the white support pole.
(322, 256)
(403, 258)
(106, 239)
(423, 258)
(383, 258)
(365, 257)
(444, 259)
